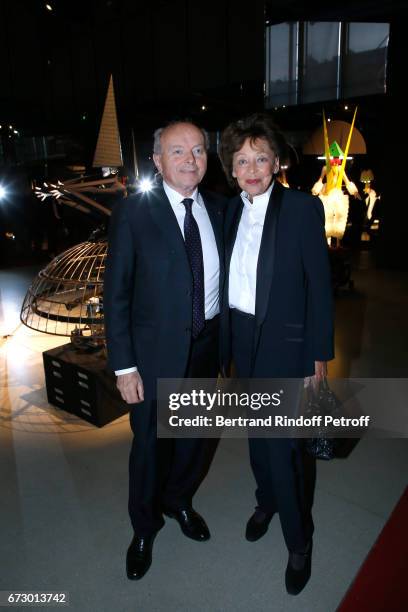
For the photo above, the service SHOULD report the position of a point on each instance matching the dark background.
(169, 59)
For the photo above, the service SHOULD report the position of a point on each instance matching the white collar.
(176, 198)
(259, 201)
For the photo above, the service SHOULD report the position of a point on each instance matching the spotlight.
(3, 192)
(48, 7)
(145, 185)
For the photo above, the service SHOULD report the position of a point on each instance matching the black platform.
(80, 383)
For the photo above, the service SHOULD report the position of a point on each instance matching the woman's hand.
(319, 375)
(320, 370)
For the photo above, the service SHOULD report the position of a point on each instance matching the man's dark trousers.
(165, 473)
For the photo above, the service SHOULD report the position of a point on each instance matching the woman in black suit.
(277, 315)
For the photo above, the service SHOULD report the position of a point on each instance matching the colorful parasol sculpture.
(329, 187)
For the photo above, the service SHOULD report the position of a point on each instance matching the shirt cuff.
(126, 371)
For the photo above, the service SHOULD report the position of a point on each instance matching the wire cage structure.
(66, 297)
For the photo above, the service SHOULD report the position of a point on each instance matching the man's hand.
(131, 387)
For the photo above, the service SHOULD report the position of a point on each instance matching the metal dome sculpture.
(65, 299)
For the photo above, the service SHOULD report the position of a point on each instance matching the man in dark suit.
(161, 302)
(277, 319)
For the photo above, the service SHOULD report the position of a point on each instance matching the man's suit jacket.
(294, 310)
(148, 286)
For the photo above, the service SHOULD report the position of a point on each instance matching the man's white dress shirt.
(209, 246)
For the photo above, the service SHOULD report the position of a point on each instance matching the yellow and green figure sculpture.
(329, 187)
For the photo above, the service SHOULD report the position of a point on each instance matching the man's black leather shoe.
(258, 525)
(139, 556)
(298, 571)
(192, 524)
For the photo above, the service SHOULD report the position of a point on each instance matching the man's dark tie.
(195, 255)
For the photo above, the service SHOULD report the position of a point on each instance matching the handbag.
(322, 402)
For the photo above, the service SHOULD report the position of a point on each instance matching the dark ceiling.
(278, 11)
(169, 59)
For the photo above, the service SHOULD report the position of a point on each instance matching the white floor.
(64, 486)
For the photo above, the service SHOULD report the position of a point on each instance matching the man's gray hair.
(157, 135)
